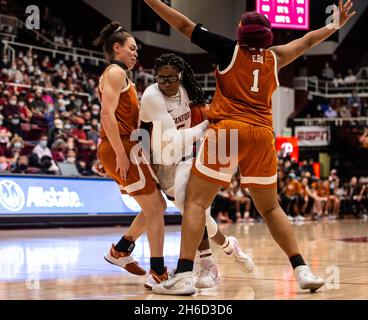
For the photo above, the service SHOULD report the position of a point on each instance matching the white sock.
(227, 246)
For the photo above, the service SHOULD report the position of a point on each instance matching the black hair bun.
(107, 31)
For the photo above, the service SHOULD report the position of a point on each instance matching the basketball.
(199, 114)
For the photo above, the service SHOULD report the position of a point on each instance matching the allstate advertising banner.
(30, 195)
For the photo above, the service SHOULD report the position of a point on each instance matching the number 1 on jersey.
(255, 87)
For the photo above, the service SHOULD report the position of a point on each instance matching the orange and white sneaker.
(124, 260)
(153, 279)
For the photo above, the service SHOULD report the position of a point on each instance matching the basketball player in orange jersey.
(118, 153)
(246, 77)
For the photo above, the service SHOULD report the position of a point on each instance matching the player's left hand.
(343, 13)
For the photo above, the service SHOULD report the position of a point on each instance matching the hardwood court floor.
(69, 264)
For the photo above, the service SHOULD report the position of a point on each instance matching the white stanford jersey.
(171, 117)
(171, 120)
(177, 106)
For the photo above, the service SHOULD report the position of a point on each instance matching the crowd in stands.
(47, 121)
(354, 105)
(338, 80)
(302, 195)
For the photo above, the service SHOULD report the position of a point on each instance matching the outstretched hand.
(342, 13)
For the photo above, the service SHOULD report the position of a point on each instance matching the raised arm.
(293, 50)
(174, 18)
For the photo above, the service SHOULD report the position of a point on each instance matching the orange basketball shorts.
(140, 179)
(230, 145)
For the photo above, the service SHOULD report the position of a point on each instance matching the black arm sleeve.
(220, 47)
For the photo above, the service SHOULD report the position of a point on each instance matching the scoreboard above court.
(286, 14)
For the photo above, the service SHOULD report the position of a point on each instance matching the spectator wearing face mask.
(38, 106)
(24, 112)
(61, 104)
(22, 165)
(14, 126)
(95, 112)
(57, 132)
(16, 147)
(71, 157)
(41, 150)
(11, 110)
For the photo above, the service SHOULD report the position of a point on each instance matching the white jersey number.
(255, 87)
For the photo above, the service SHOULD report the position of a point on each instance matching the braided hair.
(188, 80)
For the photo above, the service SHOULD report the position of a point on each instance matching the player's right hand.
(122, 166)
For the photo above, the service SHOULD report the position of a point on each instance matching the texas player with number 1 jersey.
(243, 98)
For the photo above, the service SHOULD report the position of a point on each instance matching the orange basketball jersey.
(127, 111)
(244, 89)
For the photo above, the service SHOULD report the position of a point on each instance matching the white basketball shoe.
(179, 284)
(209, 275)
(307, 280)
(244, 262)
